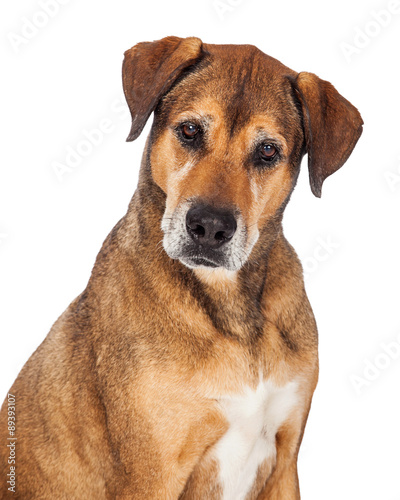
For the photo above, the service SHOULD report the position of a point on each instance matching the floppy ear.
(332, 127)
(150, 69)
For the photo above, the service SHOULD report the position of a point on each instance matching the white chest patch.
(254, 417)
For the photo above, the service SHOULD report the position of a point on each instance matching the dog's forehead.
(246, 60)
(242, 80)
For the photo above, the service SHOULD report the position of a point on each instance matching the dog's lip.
(197, 261)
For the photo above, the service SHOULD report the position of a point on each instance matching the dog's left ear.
(332, 127)
(150, 69)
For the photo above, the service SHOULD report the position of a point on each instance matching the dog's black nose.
(210, 226)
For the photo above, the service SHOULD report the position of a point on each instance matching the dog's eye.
(189, 130)
(268, 152)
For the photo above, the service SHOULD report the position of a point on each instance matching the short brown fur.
(121, 398)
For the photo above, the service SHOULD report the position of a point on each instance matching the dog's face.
(229, 133)
(226, 148)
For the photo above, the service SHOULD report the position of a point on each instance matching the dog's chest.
(254, 418)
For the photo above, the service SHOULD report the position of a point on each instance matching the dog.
(186, 368)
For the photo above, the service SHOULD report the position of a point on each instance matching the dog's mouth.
(194, 261)
(203, 236)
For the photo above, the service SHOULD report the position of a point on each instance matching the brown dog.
(186, 368)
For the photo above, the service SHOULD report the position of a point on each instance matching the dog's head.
(231, 126)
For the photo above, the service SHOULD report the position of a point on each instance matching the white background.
(67, 78)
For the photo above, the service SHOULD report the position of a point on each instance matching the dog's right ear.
(150, 69)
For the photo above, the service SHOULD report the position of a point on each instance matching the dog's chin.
(200, 262)
(209, 262)
(229, 258)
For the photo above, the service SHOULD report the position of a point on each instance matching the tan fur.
(121, 399)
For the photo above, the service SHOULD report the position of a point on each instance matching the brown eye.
(189, 130)
(268, 152)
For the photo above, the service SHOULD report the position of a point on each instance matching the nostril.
(221, 236)
(198, 230)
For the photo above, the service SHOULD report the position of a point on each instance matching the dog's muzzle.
(209, 229)
(203, 235)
